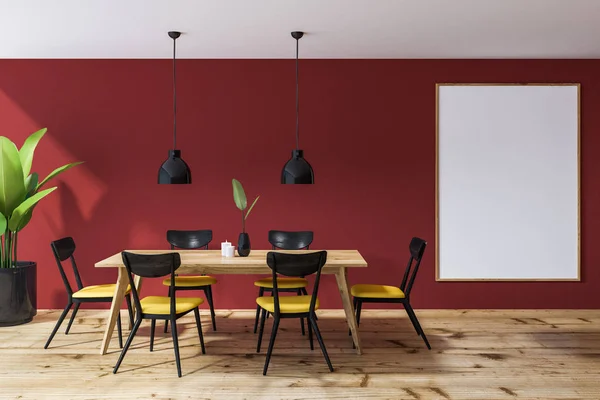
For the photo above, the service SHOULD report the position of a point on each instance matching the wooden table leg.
(115, 308)
(137, 281)
(342, 281)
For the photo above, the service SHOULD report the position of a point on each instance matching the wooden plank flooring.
(512, 354)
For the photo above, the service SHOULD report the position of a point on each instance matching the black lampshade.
(297, 170)
(174, 170)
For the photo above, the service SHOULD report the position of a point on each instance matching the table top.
(257, 258)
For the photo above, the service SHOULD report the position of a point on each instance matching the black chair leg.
(60, 320)
(271, 343)
(321, 343)
(261, 291)
(412, 320)
(301, 319)
(120, 330)
(269, 314)
(416, 324)
(72, 318)
(358, 310)
(129, 308)
(354, 304)
(263, 317)
(167, 321)
(176, 346)
(136, 325)
(209, 299)
(199, 326)
(304, 292)
(310, 334)
(152, 329)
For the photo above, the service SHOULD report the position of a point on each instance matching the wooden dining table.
(211, 262)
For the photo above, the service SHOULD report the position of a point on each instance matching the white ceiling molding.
(335, 28)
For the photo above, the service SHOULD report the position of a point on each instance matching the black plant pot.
(243, 246)
(18, 295)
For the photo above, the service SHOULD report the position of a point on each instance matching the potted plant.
(20, 191)
(239, 197)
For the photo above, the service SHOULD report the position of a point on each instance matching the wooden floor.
(476, 355)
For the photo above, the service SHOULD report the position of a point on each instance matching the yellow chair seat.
(287, 304)
(282, 283)
(162, 304)
(97, 291)
(377, 291)
(191, 281)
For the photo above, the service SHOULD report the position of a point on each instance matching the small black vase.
(243, 246)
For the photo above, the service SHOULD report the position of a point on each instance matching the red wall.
(367, 127)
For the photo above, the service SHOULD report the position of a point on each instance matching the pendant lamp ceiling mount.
(174, 34)
(174, 170)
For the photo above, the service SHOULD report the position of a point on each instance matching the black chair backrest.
(290, 240)
(198, 239)
(416, 248)
(150, 266)
(296, 265)
(64, 249)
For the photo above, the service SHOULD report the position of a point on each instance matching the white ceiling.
(335, 28)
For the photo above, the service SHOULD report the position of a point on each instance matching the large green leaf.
(12, 183)
(251, 207)
(26, 152)
(3, 223)
(239, 196)
(56, 172)
(17, 216)
(25, 219)
(31, 183)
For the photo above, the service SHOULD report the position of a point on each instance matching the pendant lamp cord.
(174, 101)
(297, 100)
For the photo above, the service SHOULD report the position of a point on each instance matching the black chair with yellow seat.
(303, 306)
(394, 294)
(193, 240)
(64, 249)
(159, 307)
(284, 240)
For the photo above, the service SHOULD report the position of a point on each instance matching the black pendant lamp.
(297, 170)
(174, 170)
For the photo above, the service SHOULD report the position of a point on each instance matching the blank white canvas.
(508, 201)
